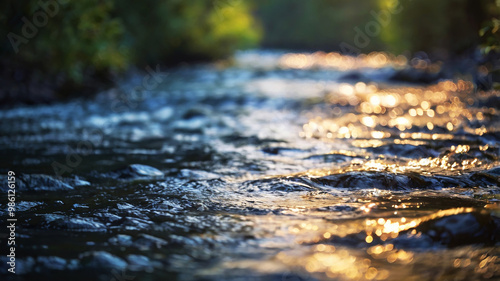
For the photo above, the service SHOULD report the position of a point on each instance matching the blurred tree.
(173, 30)
(69, 44)
(72, 38)
(490, 31)
(400, 26)
(318, 24)
(436, 27)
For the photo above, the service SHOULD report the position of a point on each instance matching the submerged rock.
(147, 242)
(77, 182)
(121, 240)
(102, 260)
(198, 174)
(416, 76)
(491, 176)
(140, 171)
(53, 263)
(139, 262)
(74, 224)
(37, 182)
(354, 76)
(371, 180)
(394, 181)
(25, 265)
(494, 172)
(463, 229)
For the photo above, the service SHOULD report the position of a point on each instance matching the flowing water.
(274, 167)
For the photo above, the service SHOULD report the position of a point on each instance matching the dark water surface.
(278, 167)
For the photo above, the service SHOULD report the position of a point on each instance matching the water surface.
(275, 167)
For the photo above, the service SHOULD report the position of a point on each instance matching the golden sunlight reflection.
(434, 111)
(418, 134)
(374, 115)
(309, 237)
(436, 164)
(371, 262)
(341, 62)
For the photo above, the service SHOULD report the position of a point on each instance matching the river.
(273, 166)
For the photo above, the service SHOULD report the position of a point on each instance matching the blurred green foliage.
(439, 27)
(447, 27)
(490, 31)
(317, 24)
(77, 36)
(75, 39)
(196, 29)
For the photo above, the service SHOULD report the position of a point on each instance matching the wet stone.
(131, 223)
(108, 217)
(77, 182)
(147, 242)
(416, 76)
(140, 171)
(102, 260)
(463, 229)
(131, 172)
(73, 224)
(121, 240)
(390, 181)
(494, 172)
(372, 180)
(141, 263)
(39, 183)
(25, 205)
(51, 263)
(198, 174)
(25, 265)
